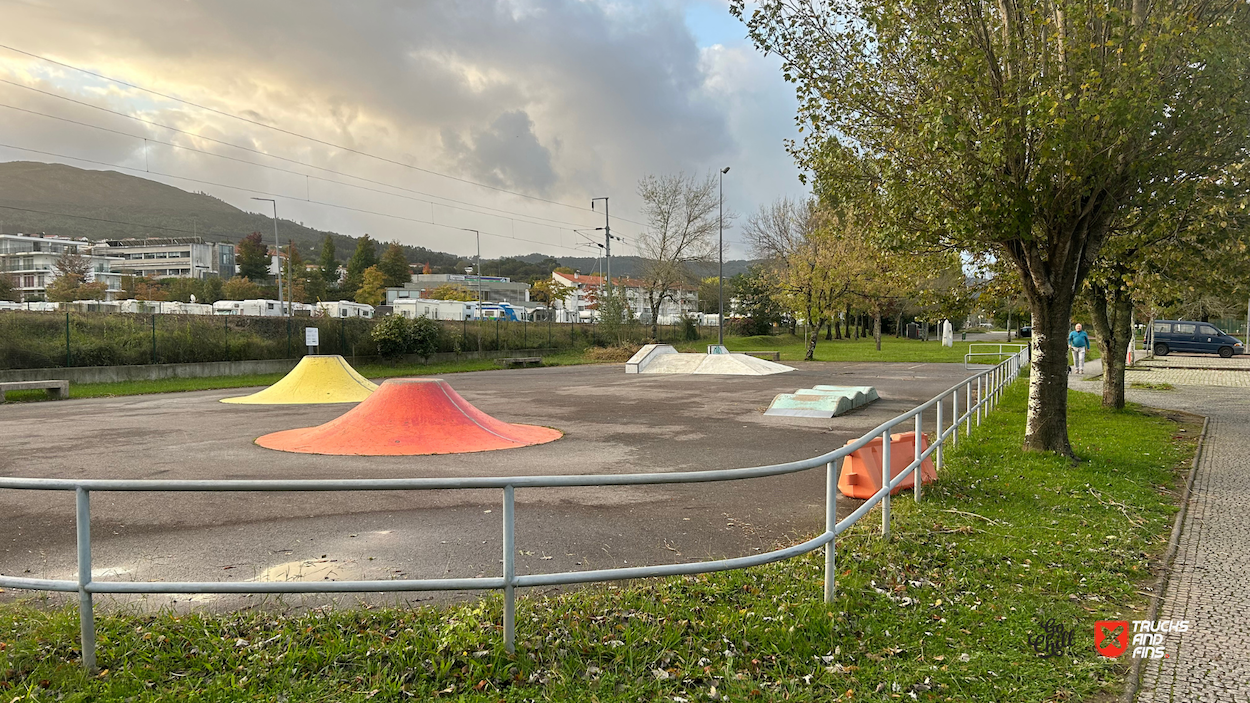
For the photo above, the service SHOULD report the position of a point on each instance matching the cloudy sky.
(505, 116)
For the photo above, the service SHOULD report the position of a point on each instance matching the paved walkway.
(1210, 581)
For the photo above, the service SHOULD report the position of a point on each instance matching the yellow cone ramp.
(316, 379)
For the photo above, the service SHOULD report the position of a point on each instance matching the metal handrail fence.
(981, 392)
(1000, 351)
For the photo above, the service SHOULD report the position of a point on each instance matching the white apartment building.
(30, 261)
(170, 257)
(580, 301)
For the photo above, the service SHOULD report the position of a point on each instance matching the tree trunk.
(876, 329)
(655, 319)
(837, 329)
(1046, 425)
(829, 330)
(1112, 308)
(813, 331)
(898, 327)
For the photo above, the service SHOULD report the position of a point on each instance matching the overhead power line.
(298, 135)
(281, 195)
(467, 206)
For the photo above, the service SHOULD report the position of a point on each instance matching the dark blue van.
(1194, 337)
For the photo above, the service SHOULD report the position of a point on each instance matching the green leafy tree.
(452, 291)
(252, 258)
(1022, 130)
(753, 300)
(549, 292)
(240, 288)
(372, 289)
(363, 258)
(329, 264)
(7, 289)
(394, 266)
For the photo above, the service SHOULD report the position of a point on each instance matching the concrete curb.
(1160, 585)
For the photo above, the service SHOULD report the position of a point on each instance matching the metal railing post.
(509, 569)
(968, 408)
(954, 418)
(885, 483)
(831, 523)
(940, 438)
(916, 473)
(980, 397)
(86, 612)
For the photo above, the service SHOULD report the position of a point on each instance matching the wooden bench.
(56, 389)
(772, 355)
(509, 362)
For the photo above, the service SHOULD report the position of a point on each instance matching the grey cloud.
(505, 154)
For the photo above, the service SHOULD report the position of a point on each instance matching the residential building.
(582, 300)
(495, 289)
(170, 257)
(30, 261)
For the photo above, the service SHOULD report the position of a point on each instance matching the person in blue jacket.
(1078, 342)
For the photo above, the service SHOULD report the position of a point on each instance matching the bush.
(393, 335)
(425, 337)
(689, 331)
(397, 335)
(622, 352)
(750, 326)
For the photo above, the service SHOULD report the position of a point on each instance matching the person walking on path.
(1078, 341)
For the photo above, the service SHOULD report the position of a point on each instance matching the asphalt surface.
(613, 423)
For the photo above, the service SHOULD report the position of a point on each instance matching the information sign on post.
(312, 338)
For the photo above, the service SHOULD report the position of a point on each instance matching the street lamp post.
(720, 256)
(478, 236)
(277, 245)
(607, 238)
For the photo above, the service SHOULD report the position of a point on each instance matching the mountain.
(74, 202)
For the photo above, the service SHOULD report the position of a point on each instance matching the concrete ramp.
(318, 378)
(821, 401)
(406, 417)
(664, 359)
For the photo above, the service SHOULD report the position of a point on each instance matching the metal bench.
(509, 362)
(771, 355)
(56, 389)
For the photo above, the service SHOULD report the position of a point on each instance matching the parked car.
(1025, 331)
(1194, 337)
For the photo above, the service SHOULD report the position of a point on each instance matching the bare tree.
(681, 215)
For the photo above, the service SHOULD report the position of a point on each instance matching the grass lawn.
(942, 612)
(373, 371)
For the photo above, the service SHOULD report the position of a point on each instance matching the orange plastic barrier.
(861, 470)
(408, 416)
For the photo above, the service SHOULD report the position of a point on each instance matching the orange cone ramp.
(861, 470)
(317, 378)
(410, 416)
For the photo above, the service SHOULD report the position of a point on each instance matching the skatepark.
(595, 419)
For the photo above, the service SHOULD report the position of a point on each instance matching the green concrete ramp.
(821, 401)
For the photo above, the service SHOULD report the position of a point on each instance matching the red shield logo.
(1111, 637)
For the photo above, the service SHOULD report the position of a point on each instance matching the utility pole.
(720, 257)
(277, 244)
(478, 236)
(607, 239)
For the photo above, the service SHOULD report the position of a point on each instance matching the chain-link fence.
(30, 340)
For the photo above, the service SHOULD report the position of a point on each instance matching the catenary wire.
(280, 130)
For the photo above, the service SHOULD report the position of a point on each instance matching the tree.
(754, 301)
(548, 291)
(71, 270)
(452, 291)
(252, 257)
(7, 289)
(296, 274)
(148, 289)
(812, 259)
(1018, 130)
(394, 266)
(240, 288)
(329, 264)
(372, 289)
(681, 221)
(362, 259)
